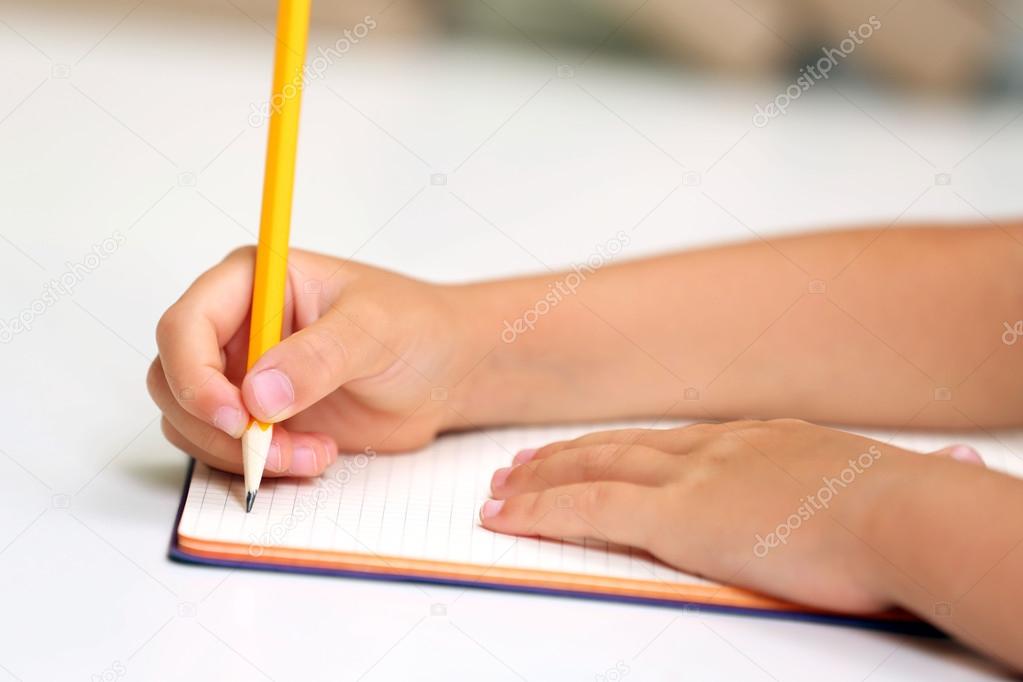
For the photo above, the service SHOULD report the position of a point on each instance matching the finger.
(313, 362)
(302, 453)
(215, 460)
(291, 454)
(676, 441)
(606, 462)
(208, 443)
(232, 463)
(621, 513)
(192, 332)
(311, 453)
(960, 453)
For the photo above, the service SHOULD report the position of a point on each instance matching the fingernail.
(524, 456)
(964, 453)
(273, 391)
(274, 458)
(500, 476)
(229, 420)
(490, 509)
(303, 461)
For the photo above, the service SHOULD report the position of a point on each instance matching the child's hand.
(363, 349)
(784, 507)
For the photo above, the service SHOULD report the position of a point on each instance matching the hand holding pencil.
(320, 387)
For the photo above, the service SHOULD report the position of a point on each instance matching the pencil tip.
(250, 499)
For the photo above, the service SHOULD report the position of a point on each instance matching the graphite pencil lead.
(250, 499)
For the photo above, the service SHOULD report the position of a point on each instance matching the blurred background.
(450, 140)
(533, 113)
(949, 45)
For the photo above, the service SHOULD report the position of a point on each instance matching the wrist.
(882, 522)
(496, 378)
(471, 326)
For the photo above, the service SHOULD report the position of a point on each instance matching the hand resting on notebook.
(811, 514)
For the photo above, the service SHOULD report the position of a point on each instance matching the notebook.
(415, 517)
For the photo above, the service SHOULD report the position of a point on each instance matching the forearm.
(742, 330)
(947, 544)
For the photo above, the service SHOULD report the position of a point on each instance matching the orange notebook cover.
(414, 516)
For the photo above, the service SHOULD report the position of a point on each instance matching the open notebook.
(414, 516)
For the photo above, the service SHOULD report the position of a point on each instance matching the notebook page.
(421, 505)
(424, 505)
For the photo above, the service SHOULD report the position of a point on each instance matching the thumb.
(308, 365)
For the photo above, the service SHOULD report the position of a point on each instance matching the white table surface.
(140, 127)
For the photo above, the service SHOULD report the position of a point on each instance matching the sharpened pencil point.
(250, 499)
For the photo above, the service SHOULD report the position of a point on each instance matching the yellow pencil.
(275, 221)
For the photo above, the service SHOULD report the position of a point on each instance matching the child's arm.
(906, 329)
(800, 511)
(951, 550)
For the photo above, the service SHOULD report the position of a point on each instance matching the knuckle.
(154, 378)
(175, 438)
(373, 312)
(209, 438)
(169, 324)
(520, 475)
(319, 347)
(650, 438)
(594, 497)
(167, 430)
(604, 436)
(362, 311)
(700, 429)
(742, 428)
(247, 252)
(538, 507)
(594, 461)
(551, 448)
(786, 423)
(525, 507)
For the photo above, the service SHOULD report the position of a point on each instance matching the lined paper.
(424, 506)
(421, 505)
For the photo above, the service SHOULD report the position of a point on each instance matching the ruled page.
(424, 505)
(421, 505)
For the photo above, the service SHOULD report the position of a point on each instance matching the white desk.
(147, 136)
